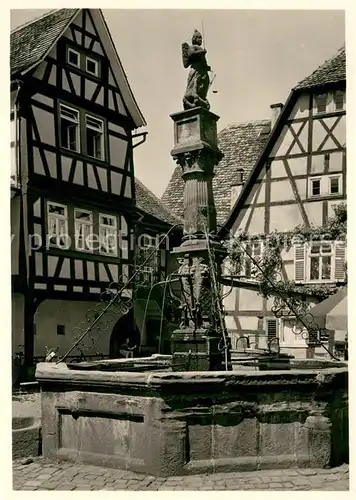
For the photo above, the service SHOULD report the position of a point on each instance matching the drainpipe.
(15, 109)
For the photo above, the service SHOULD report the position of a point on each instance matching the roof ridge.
(321, 66)
(246, 123)
(34, 20)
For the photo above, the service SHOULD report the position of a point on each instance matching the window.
(254, 250)
(320, 256)
(319, 262)
(92, 66)
(339, 100)
(94, 137)
(57, 224)
(61, 329)
(146, 251)
(83, 230)
(325, 186)
(315, 185)
(108, 235)
(334, 185)
(330, 102)
(240, 177)
(73, 57)
(320, 103)
(69, 128)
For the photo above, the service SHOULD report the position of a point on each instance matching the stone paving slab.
(44, 474)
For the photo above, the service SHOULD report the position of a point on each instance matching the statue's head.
(197, 39)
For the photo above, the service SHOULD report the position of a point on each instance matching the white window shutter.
(272, 328)
(340, 258)
(299, 262)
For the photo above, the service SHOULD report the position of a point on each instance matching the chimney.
(276, 111)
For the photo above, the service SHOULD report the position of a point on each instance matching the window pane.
(321, 103)
(315, 248)
(339, 100)
(315, 187)
(73, 57)
(92, 66)
(70, 114)
(69, 134)
(83, 215)
(314, 268)
(334, 185)
(55, 209)
(326, 268)
(94, 143)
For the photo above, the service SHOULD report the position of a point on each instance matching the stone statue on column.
(198, 78)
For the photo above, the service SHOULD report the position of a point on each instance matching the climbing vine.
(267, 266)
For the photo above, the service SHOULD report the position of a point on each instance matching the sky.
(257, 55)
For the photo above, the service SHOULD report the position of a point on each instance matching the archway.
(125, 337)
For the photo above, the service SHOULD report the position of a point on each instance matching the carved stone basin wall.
(177, 423)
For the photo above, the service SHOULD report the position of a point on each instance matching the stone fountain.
(187, 413)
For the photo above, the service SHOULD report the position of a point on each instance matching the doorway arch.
(124, 333)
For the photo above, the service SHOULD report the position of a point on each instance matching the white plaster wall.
(285, 218)
(51, 313)
(301, 108)
(249, 300)
(281, 191)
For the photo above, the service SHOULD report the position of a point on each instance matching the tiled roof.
(151, 205)
(333, 70)
(30, 42)
(241, 145)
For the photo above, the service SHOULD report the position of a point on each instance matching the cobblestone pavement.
(43, 474)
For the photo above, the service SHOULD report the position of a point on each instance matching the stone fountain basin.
(26, 437)
(177, 423)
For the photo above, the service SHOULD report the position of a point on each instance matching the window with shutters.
(319, 262)
(272, 328)
(330, 102)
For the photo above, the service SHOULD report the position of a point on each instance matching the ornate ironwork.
(285, 306)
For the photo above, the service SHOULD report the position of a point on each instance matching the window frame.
(325, 185)
(70, 49)
(102, 141)
(339, 178)
(311, 184)
(320, 256)
(86, 223)
(96, 62)
(252, 268)
(101, 225)
(57, 216)
(78, 134)
(317, 98)
(343, 94)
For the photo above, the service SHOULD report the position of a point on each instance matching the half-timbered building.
(75, 207)
(298, 180)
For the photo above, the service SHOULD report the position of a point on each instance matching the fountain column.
(199, 343)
